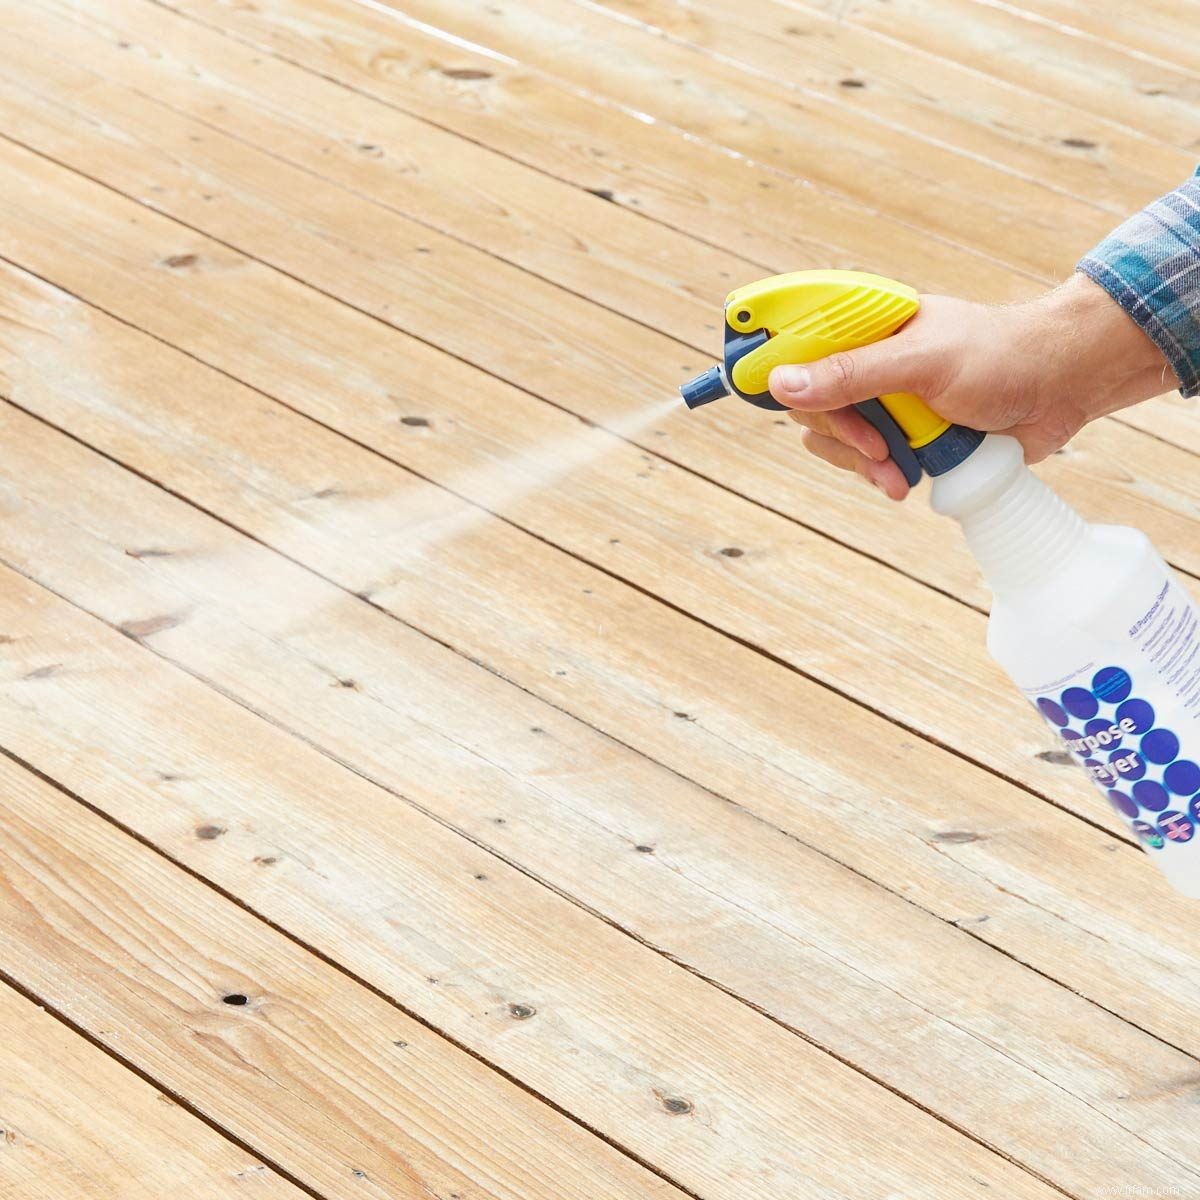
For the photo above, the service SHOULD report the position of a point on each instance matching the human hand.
(1038, 371)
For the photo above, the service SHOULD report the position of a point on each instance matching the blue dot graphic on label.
(1124, 805)
(1139, 712)
(1176, 826)
(1182, 777)
(1160, 746)
(1079, 702)
(1149, 835)
(1150, 795)
(1101, 730)
(1111, 685)
(1075, 743)
(1051, 711)
(1127, 764)
(1134, 761)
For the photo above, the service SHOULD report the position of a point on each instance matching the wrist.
(1099, 359)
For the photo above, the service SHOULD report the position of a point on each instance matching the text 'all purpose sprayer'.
(1088, 620)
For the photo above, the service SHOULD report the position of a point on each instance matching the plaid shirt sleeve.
(1150, 265)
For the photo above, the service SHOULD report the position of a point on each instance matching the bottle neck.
(1019, 531)
(1023, 535)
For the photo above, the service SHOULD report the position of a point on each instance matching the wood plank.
(537, 122)
(348, 1092)
(414, 160)
(744, 951)
(937, 100)
(1172, 418)
(603, 860)
(635, 1047)
(1155, 32)
(68, 57)
(74, 1122)
(636, 516)
(805, 137)
(568, 135)
(394, 289)
(1153, 98)
(767, 472)
(785, 1173)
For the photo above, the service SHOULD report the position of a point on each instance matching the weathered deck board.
(540, 121)
(674, 512)
(209, 437)
(900, 86)
(1154, 98)
(75, 1123)
(747, 934)
(678, 1072)
(640, 519)
(469, 697)
(302, 120)
(1162, 36)
(806, 138)
(319, 257)
(333, 1083)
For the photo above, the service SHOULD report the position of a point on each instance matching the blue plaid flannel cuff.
(1150, 265)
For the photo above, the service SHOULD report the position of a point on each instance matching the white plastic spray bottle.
(1088, 620)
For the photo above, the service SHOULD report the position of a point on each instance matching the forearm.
(1094, 357)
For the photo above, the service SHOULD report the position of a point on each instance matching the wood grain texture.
(733, 898)
(74, 1122)
(939, 101)
(345, 1090)
(506, 737)
(804, 136)
(540, 122)
(634, 515)
(604, 1026)
(321, 117)
(1163, 34)
(623, 159)
(1145, 94)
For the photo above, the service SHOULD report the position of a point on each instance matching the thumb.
(848, 377)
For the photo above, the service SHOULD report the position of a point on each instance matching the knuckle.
(841, 369)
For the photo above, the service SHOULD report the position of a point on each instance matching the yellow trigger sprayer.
(1088, 620)
(807, 315)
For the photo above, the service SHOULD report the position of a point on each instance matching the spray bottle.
(1088, 620)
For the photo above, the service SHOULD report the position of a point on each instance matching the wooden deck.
(427, 776)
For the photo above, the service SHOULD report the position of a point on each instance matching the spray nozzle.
(806, 315)
(708, 386)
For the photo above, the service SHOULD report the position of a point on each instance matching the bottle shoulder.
(1090, 592)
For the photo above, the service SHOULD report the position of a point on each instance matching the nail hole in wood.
(957, 836)
(1057, 758)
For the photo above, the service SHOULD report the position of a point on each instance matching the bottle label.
(1132, 718)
